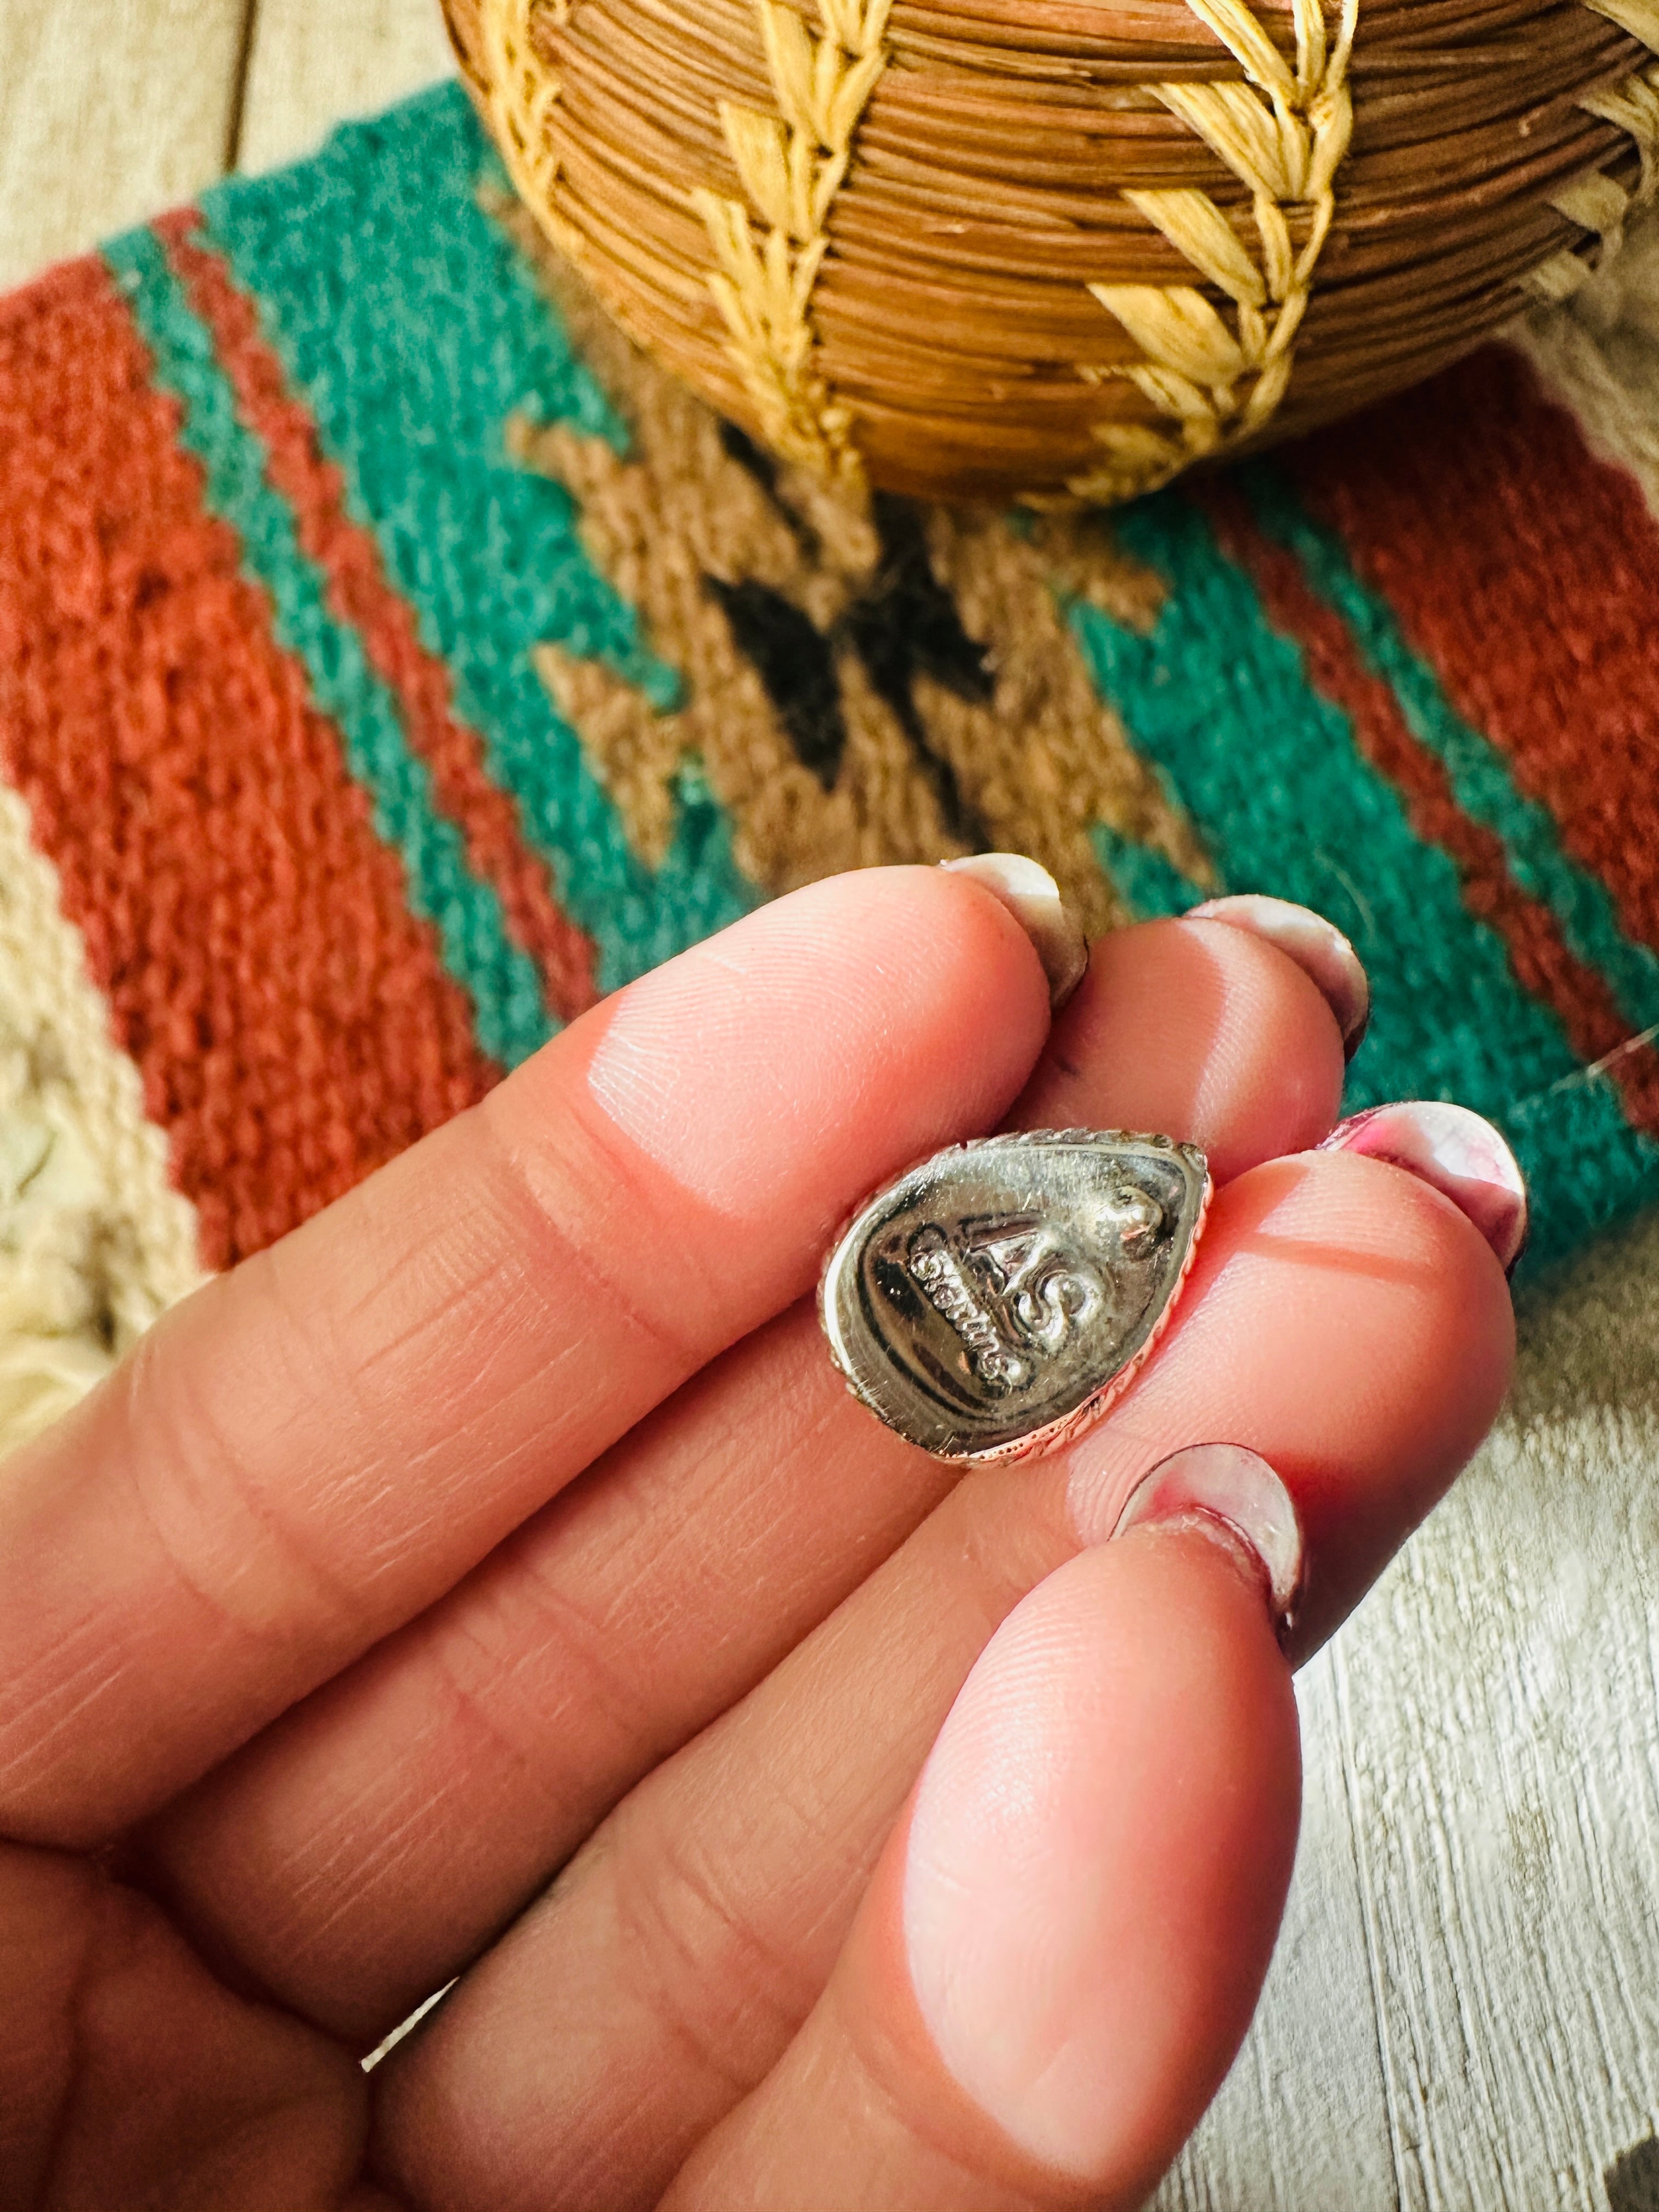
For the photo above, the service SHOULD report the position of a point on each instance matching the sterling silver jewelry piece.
(993, 1301)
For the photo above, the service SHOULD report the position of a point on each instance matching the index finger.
(311, 1450)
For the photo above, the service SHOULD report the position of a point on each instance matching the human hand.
(509, 1525)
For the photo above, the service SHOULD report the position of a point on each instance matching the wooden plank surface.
(1464, 2012)
(1303, 2120)
(312, 63)
(110, 110)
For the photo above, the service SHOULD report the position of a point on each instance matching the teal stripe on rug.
(510, 1017)
(1286, 803)
(1147, 881)
(1479, 775)
(413, 331)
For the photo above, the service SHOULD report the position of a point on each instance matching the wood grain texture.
(110, 110)
(313, 63)
(1303, 2120)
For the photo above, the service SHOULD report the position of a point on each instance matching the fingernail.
(1457, 1153)
(1032, 896)
(1232, 1493)
(1317, 946)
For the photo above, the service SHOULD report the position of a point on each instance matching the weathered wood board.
(110, 110)
(312, 65)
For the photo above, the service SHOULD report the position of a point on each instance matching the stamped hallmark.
(946, 1288)
(994, 1300)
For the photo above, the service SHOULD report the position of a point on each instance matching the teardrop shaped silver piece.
(993, 1301)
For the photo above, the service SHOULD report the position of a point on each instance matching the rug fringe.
(94, 1243)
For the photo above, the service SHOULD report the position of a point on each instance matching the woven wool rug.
(391, 662)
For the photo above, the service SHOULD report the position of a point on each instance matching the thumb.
(1066, 1934)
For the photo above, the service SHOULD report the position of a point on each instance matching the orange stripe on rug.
(1526, 572)
(292, 1021)
(361, 594)
(1543, 962)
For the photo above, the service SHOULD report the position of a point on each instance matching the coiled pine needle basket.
(1059, 249)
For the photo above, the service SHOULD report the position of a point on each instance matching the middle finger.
(363, 1849)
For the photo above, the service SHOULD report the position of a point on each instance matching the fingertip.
(1317, 945)
(1345, 1320)
(1441, 1325)
(988, 941)
(1456, 1152)
(1036, 902)
(872, 1016)
(1098, 1854)
(1443, 1308)
(1211, 1034)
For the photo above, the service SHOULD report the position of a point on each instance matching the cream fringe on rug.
(94, 1243)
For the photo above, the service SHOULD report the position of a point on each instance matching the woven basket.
(1059, 249)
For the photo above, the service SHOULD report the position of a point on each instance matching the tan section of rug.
(1010, 746)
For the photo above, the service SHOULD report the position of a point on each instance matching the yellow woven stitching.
(1640, 17)
(94, 1240)
(792, 165)
(523, 95)
(1599, 203)
(1633, 105)
(1283, 133)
